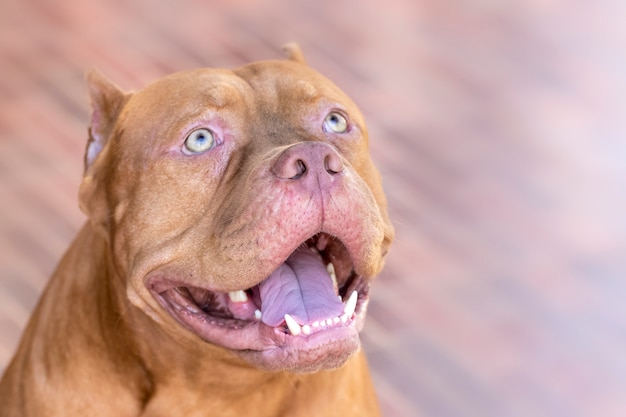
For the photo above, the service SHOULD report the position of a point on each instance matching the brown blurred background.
(500, 131)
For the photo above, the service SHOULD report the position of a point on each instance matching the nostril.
(333, 164)
(308, 159)
(300, 169)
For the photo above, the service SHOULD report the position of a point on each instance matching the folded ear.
(107, 101)
(294, 53)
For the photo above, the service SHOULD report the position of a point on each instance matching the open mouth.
(311, 306)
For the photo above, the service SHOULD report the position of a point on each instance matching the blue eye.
(335, 123)
(198, 141)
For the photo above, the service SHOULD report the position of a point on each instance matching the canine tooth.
(294, 327)
(351, 304)
(238, 296)
(306, 329)
(258, 314)
(333, 275)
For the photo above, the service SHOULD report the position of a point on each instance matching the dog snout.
(308, 159)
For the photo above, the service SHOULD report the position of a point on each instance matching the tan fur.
(98, 344)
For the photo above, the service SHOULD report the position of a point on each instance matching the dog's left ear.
(107, 101)
(294, 53)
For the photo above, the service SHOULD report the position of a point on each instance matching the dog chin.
(322, 355)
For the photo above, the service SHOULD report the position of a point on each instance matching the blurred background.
(500, 131)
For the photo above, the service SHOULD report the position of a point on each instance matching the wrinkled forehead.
(283, 82)
(287, 80)
(257, 91)
(189, 89)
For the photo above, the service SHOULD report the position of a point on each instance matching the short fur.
(100, 344)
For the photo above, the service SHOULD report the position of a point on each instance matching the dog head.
(242, 209)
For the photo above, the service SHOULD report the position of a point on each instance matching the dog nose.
(308, 158)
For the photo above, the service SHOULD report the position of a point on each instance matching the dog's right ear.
(107, 101)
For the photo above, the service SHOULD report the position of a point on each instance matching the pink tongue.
(300, 287)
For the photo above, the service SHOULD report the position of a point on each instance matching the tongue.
(302, 288)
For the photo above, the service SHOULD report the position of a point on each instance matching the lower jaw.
(270, 348)
(326, 355)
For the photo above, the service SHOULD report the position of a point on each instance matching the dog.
(235, 224)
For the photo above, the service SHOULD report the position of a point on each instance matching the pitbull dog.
(235, 224)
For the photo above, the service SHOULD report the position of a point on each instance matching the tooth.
(329, 322)
(306, 329)
(316, 323)
(336, 320)
(351, 304)
(238, 296)
(344, 318)
(258, 314)
(331, 271)
(294, 327)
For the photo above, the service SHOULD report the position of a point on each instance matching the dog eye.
(336, 123)
(198, 141)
